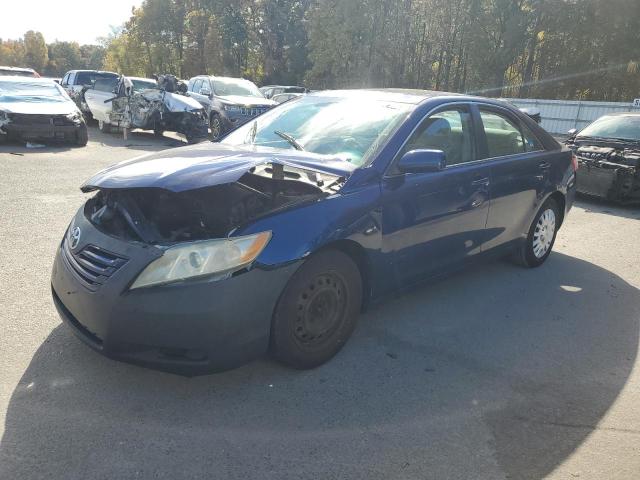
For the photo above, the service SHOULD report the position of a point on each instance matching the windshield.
(349, 128)
(139, 85)
(30, 91)
(624, 127)
(224, 87)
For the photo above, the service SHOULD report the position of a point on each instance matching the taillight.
(574, 162)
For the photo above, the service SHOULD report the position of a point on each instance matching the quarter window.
(449, 131)
(503, 136)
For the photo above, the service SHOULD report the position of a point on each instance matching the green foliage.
(533, 48)
(35, 50)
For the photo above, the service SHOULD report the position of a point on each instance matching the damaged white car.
(39, 109)
(147, 104)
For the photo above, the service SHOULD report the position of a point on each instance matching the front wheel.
(317, 311)
(542, 235)
(82, 135)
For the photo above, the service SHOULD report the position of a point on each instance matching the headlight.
(231, 108)
(75, 117)
(218, 257)
(4, 115)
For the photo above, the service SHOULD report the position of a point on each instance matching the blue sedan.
(201, 258)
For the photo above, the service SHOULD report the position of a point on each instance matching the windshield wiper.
(292, 141)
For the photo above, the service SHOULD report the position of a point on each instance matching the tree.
(35, 54)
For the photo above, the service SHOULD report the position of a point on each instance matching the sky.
(81, 21)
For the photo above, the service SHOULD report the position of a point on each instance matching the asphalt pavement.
(497, 372)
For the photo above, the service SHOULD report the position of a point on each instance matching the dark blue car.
(201, 258)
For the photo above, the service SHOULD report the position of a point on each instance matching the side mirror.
(573, 131)
(422, 161)
(205, 91)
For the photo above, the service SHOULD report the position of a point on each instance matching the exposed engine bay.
(159, 216)
(611, 172)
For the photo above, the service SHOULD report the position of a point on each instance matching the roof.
(17, 69)
(92, 71)
(400, 95)
(19, 79)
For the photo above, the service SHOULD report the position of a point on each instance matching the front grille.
(92, 265)
(253, 111)
(26, 119)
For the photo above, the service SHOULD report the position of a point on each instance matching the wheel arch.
(560, 199)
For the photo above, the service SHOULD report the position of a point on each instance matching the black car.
(201, 258)
(608, 153)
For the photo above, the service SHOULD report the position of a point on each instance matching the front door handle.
(484, 182)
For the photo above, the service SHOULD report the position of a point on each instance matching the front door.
(433, 221)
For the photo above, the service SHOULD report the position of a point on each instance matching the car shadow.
(499, 371)
(598, 205)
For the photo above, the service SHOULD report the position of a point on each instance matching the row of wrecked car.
(205, 106)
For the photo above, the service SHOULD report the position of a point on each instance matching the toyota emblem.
(74, 237)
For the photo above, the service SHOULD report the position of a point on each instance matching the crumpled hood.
(206, 165)
(173, 101)
(247, 100)
(39, 106)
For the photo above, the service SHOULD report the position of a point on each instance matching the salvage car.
(230, 102)
(200, 258)
(270, 91)
(76, 82)
(39, 109)
(18, 72)
(132, 102)
(608, 154)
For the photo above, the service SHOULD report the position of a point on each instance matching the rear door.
(520, 169)
(97, 97)
(433, 221)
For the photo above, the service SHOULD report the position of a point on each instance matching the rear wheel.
(542, 235)
(317, 311)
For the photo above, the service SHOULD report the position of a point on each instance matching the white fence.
(560, 116)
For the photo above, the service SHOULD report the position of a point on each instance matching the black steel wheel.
(317, 311)
(82, 135)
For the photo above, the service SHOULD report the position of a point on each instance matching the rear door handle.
(545, 165)
(481, 182)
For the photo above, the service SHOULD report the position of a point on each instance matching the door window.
(197, 85)
(531, 143)
(503, 136)
(447, 130)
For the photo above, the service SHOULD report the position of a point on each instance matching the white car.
(133, 102)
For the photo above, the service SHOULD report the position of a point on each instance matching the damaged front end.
(160, 110)
(612, 173)
(158, 216)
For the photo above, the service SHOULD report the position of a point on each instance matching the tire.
(538, 245)
(216, 127)
(317, 311)
(82, 136)
(104, 127)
